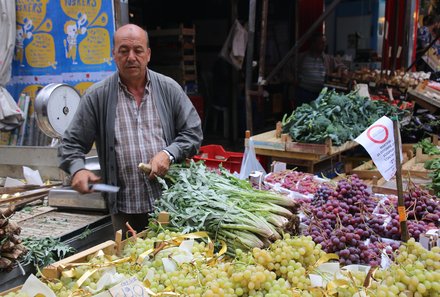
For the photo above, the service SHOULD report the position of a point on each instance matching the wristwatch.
(170, 156)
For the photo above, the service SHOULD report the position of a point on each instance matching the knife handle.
(145, 167)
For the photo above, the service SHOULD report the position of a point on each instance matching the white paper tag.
(278, 166)
(32, 176)
(129, 287)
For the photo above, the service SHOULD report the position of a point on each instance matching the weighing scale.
(55, 107)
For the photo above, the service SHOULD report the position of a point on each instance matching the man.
(425, 35)
(313, 66)
(135, 115)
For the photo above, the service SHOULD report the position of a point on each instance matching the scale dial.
(55, 106)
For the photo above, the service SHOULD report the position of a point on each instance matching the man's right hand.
(81, 180)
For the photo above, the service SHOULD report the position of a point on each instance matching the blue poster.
(62, 41)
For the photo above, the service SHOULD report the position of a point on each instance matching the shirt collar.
(147, 85)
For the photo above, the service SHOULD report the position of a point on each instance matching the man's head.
(318, 42)
(131, 52)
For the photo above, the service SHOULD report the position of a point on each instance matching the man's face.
(130, 52)
(321, 43)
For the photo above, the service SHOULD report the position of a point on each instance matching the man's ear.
(149, 54)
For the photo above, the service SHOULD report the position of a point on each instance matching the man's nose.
(131, 55)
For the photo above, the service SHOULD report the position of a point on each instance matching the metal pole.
(234, 81)
(400, 200)
(249, 62)
(263, 37)
(302, 39)
(407, 19)
(396, 36)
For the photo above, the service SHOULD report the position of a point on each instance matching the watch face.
(61, 107)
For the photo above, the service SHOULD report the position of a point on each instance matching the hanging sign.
(378, 141)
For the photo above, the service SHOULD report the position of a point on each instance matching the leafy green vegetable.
(434, 165)
(86, 233)
(427, 147)
(336, 116)
(226, 207)
(44, 251)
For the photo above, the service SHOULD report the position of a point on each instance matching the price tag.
(402, 213)
(129, 288)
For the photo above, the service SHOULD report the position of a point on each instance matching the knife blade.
(104, 188)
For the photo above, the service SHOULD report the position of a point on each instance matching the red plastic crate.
(213, 155)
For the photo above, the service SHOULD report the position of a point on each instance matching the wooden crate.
(310, 148)
(326, 148)
(367, 171)
(381, 186)
(54, 270)
(274, 140)
(109, 247)
(415, 166)
(269, 141)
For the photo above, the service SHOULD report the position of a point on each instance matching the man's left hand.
(159, 165)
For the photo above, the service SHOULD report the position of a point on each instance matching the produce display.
(422, 124)
(400, 78)
(349, 221)
(296, 181)
(11, 249)
(226, 238)
(337, 116)
(427, 147)
(172, 264)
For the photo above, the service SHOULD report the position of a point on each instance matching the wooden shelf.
(174, 54)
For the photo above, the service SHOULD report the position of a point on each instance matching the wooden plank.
(171, 32)
(268, 141)
(12, 290)
(415, 166)
(344, 147)
(24, 188)
(389, 187)
(54, 270)
(26, 195)
(311, 148)
(292, 156)
(367, 171)
(188, 58)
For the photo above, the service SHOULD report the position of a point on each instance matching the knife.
(104, 188)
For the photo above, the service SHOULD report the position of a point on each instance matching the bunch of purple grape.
(422, 206)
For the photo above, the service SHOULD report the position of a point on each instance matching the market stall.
(343, 247)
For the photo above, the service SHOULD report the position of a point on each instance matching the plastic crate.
(213, 155)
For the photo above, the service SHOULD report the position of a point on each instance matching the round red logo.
(377, 133)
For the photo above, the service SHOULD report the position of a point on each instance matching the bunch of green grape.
(416, 271)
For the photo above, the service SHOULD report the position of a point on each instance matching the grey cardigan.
(94, 121)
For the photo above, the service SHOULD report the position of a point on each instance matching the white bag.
(11, 116)
(250, 162)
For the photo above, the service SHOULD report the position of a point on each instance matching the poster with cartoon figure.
(62, 40)
(23, 32)
(57, 36)
(72, 29)
(87, 32)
